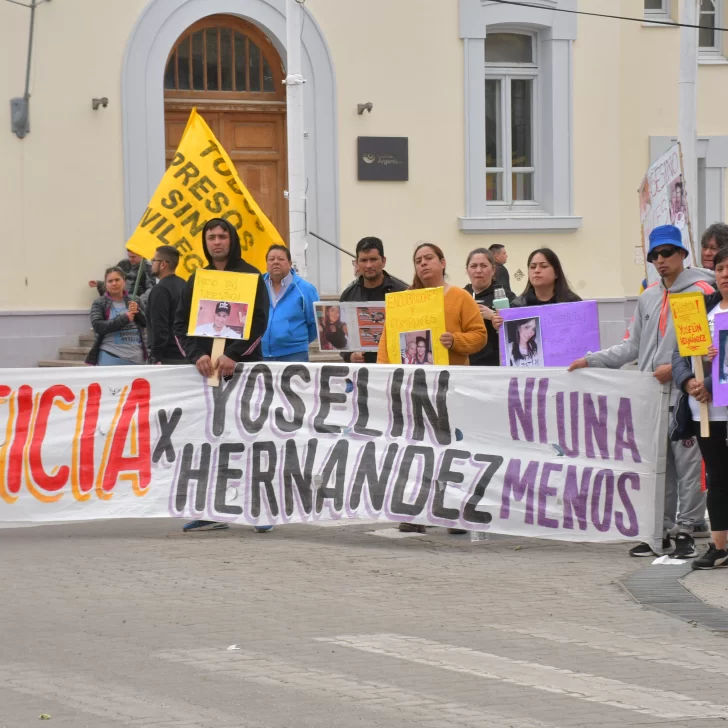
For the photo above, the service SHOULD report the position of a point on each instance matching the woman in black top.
(546, 281)
(335, 331)
(480, 267)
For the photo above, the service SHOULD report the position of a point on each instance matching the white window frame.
(505, 73)
(662, 14)
(553, 33)
(715, 52)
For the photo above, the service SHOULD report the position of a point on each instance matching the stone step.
(60, 363)
(73, 353)
(87, 339)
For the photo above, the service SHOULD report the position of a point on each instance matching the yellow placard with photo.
(691, 323)
(222, 304)
(414, 322)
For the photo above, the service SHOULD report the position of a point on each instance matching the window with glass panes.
(710, 40)
(657, 8)
(217, 60)
(511, 75)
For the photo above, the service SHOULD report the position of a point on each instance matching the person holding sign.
(714, 446)
(481, 269)
(651, 340)
(465, 331)
(372, 284)
(292, 321)
(221, 245)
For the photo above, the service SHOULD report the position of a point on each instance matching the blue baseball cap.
(666, 235)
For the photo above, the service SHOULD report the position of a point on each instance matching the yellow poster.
(222, 304)
(691, 323)
(200, 184)
(414, 322)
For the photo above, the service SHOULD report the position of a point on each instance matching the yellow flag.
(691, 323)
(414, 322)
(200, 184)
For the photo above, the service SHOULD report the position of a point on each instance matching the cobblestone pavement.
(132, 623)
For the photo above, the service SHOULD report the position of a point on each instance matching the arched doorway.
(233, 74)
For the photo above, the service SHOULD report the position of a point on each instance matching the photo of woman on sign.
(523, 343)
(723, 349)
(333, 331)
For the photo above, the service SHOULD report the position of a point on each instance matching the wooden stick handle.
(700, 376)
(218, 349)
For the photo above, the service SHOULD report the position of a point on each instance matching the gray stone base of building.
(27, 337)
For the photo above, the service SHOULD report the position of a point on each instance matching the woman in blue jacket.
(292, 320)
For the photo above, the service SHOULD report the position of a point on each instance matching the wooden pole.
(700, 376)
(218, 349)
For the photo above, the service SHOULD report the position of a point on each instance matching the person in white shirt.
(219, 328)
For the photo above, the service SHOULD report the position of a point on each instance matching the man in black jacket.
(162, 307)
(221, 244)
(372, 284)
(222, 250)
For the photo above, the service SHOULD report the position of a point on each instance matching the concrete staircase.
(73, 356)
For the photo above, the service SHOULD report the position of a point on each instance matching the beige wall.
(61, 191)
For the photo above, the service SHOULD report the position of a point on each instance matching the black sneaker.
(713, 558)
(684, 547)
(644, 549)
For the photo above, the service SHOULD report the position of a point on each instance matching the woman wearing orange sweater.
(466, 333)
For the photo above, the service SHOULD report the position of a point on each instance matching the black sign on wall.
(383, 159)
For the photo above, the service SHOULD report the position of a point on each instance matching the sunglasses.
(664, 253)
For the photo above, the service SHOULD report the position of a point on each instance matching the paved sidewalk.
(130, 623)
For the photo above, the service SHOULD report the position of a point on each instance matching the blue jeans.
(296, 356)
(109, 360)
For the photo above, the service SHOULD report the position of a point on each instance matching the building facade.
(527, 126)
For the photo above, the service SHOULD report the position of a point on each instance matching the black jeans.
(714, 450)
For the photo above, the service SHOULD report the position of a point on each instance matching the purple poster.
(548, 336)
(720, 363)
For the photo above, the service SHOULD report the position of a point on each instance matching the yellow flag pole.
(700, 377)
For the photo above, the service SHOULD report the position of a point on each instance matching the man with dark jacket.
(162, 307)
(221, 244)
(373, 284)
(222, 250)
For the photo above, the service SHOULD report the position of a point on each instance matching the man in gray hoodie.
(651, 341)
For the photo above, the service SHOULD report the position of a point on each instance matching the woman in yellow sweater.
(466, 333)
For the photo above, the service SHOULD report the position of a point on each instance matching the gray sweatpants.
(684, 500)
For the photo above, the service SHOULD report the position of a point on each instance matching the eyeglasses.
(156, 260)
(664, 253)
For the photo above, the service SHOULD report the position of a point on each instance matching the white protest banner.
(541, 453)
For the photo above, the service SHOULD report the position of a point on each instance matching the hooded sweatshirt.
(651, 337)
(193, 347)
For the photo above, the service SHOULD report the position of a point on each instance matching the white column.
(296, 156)
(687, 113)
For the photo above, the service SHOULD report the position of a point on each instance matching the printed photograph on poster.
(333, 328)
(720, 363)
(221, 319)
(678, 203)
(370, 320)
(723, 359)
(416, 347)
(524, 346)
